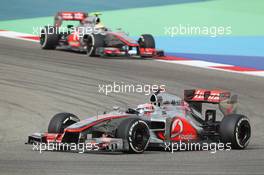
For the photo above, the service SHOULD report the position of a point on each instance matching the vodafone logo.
(176, 128)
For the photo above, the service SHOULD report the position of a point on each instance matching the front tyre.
(136, 133)
(235, 129)
(61, 121)
(49, 37)
(94, 41)
(146, 41)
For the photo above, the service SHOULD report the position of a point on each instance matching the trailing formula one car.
(92, 37)
(165, 119)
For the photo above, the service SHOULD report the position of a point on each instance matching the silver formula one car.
(165, 119)
(92, 37)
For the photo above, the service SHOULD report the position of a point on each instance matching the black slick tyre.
(136, 133)
(60, 121)
(235, 129)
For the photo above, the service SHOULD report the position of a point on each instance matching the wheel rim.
(243, 133)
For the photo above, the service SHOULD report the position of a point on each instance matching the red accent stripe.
(30, 37)
(171, 58)
(235, 68)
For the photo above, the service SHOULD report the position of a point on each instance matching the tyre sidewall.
(97, 41)
(229, 130)
(92, 50)
(126, 131)
(130, 135)
(51, 37)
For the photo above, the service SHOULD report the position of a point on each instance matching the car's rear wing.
(206, 96)
(69, 16)
(196, 97)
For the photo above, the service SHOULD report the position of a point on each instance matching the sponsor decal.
(176, 128)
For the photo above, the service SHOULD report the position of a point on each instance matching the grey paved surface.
(35, 84)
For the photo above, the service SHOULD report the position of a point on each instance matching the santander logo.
(176, 128)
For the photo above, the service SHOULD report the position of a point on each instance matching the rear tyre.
(146, 41)
(49, 37)
(136, 133)
(94, 41)
(235, 129)
(60, 121)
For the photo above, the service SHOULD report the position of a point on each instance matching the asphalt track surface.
(35, 84)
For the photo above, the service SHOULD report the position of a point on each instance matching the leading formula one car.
(92, 37)
(165, 119)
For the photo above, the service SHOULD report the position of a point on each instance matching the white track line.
(207, 65)
(17, 35)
